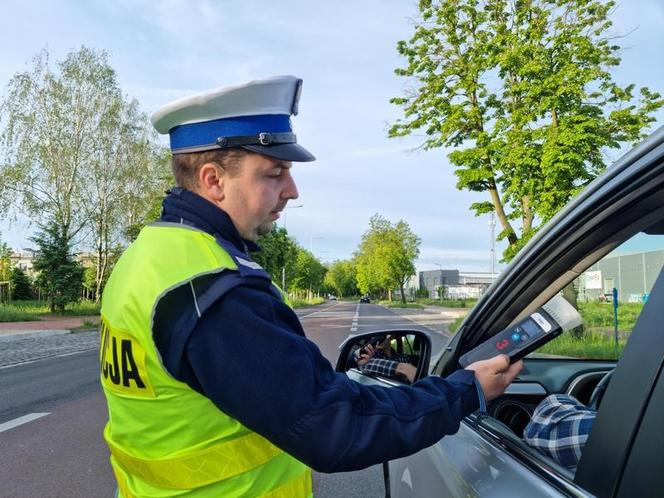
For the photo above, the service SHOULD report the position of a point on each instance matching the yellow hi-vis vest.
(165, 438)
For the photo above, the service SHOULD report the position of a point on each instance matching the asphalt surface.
(52, 411)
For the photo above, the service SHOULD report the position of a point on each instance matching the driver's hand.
(407, 370)
(365, 354)
(495, 374)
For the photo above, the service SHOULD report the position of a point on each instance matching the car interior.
(582, 377)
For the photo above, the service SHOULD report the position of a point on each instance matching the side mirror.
(398, 355)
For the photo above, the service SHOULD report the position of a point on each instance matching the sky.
(346, 54)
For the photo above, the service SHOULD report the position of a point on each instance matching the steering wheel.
(598, 392)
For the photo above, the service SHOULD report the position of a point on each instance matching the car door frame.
(625, 201)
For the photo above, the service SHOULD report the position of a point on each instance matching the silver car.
(610, 236)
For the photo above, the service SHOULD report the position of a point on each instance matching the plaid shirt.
(559, 428)
(379, 364)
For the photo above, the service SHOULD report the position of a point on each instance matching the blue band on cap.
(201, 134)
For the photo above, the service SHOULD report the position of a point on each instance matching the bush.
(60, 275)
(21, 285)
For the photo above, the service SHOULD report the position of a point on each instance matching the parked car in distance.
(609, 238)
(365, 299)
(332, 297)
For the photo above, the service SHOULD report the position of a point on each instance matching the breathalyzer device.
(528, 334)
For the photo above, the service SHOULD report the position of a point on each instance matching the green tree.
(60, 275)
(278, 255)
(341, 277)
(522, 91)
(21, 285)
(386, 256)
(5, 261)
(89, 282)
(144, 207)
(78, 152)
(309, 272)
(5, 272)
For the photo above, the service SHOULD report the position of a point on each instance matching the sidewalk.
(22, 342)
(53, 325)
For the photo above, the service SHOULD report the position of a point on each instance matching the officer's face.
(255, 197)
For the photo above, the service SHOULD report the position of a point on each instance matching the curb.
(13, 335)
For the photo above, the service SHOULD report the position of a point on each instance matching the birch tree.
(79, 153)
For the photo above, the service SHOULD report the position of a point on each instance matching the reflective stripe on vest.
(300, 486)
(199, 468)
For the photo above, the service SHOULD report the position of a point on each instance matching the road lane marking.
(356, 318)
(21, 420)
(47, 357)
(317, 311)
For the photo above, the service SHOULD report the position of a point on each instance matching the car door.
(487, 457)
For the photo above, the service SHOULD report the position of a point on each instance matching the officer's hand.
(495, 374)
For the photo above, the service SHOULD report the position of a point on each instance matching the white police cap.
(253, 115)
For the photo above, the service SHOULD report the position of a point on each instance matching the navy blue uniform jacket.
(249, 355)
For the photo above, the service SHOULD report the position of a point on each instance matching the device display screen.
(531, 328)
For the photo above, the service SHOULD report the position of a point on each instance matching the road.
(52, 411)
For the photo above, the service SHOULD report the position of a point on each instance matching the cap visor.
(284, 152)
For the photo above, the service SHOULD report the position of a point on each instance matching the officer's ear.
(211, 178)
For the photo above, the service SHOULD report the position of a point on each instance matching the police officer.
(212, 387)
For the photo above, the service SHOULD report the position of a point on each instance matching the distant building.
(23, 260)
(432, 280)
(457, 284)
(633, 276)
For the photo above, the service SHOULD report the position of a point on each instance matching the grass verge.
(19, 311)
(595, 346)
(304, 303)
(399, 304)
(454, 326)
(87, 325)
(449, 303)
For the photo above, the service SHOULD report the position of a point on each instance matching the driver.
(383, 360)
(559, 428)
